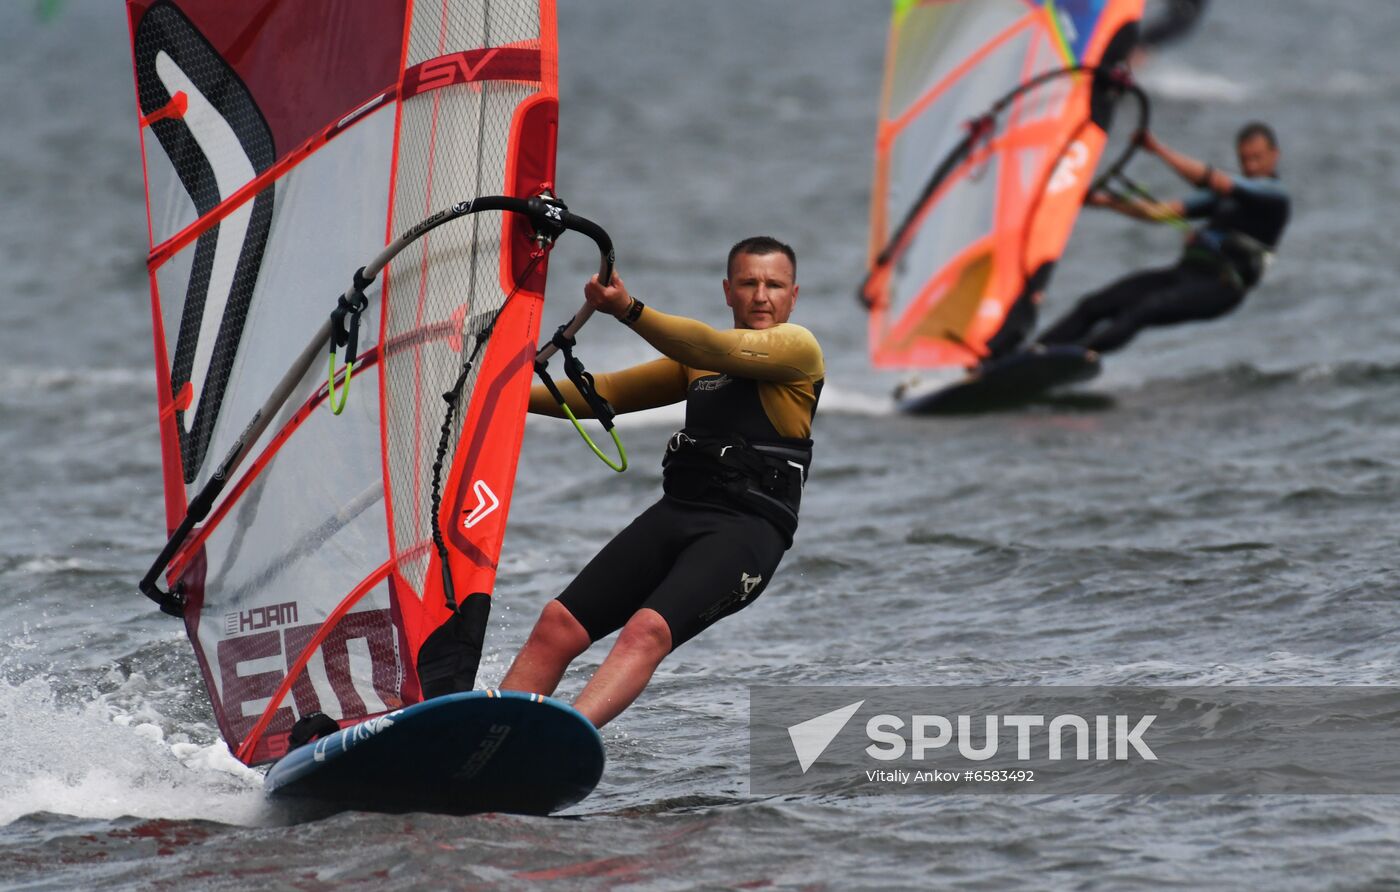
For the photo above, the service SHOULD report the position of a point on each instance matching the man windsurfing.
(1223, 259)
(732, 480)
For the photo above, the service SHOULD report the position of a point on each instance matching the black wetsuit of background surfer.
(1172, 22)
(1223, 260)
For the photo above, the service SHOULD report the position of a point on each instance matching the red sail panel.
(471, 136)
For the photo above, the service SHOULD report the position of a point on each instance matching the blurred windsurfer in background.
(733, 479)
(1246, 215)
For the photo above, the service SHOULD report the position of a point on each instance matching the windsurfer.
(732, 479)
(1223, 259)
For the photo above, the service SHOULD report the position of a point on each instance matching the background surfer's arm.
(646, 386)
(1193, 171)
(1144, 209)
(783, 353)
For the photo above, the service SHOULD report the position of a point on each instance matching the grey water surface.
(1219, 509)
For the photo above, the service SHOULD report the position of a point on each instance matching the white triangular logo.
(811, 738)
(486, 502)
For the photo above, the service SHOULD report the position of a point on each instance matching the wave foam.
(97, 760)
(1192, 85)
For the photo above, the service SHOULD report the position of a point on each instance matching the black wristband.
(634, 311)
(1204, 181)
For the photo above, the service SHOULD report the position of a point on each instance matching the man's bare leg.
(643, 644)
(554, 642)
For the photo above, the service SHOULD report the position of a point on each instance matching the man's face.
(1257, 157)
(761, 290)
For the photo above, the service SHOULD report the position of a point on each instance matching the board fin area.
(1022, 377)
(460, 754)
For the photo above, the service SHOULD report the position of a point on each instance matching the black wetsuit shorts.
(692, 563)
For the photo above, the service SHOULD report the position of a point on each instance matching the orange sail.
(993, 122)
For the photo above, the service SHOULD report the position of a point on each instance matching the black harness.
(765, 477)
(1240, 260)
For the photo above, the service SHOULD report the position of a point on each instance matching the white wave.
(1274, 668)
(27, 380)
(103, 761)
(1174, 81)
(45, 564)
(840, 401)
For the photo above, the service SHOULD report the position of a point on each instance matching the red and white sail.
(285, 142)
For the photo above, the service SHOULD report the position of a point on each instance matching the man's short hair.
(760, 244)
(1256, 128)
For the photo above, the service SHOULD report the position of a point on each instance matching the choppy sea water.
(1217, 511)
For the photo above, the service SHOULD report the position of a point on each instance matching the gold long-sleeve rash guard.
(785, 361)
